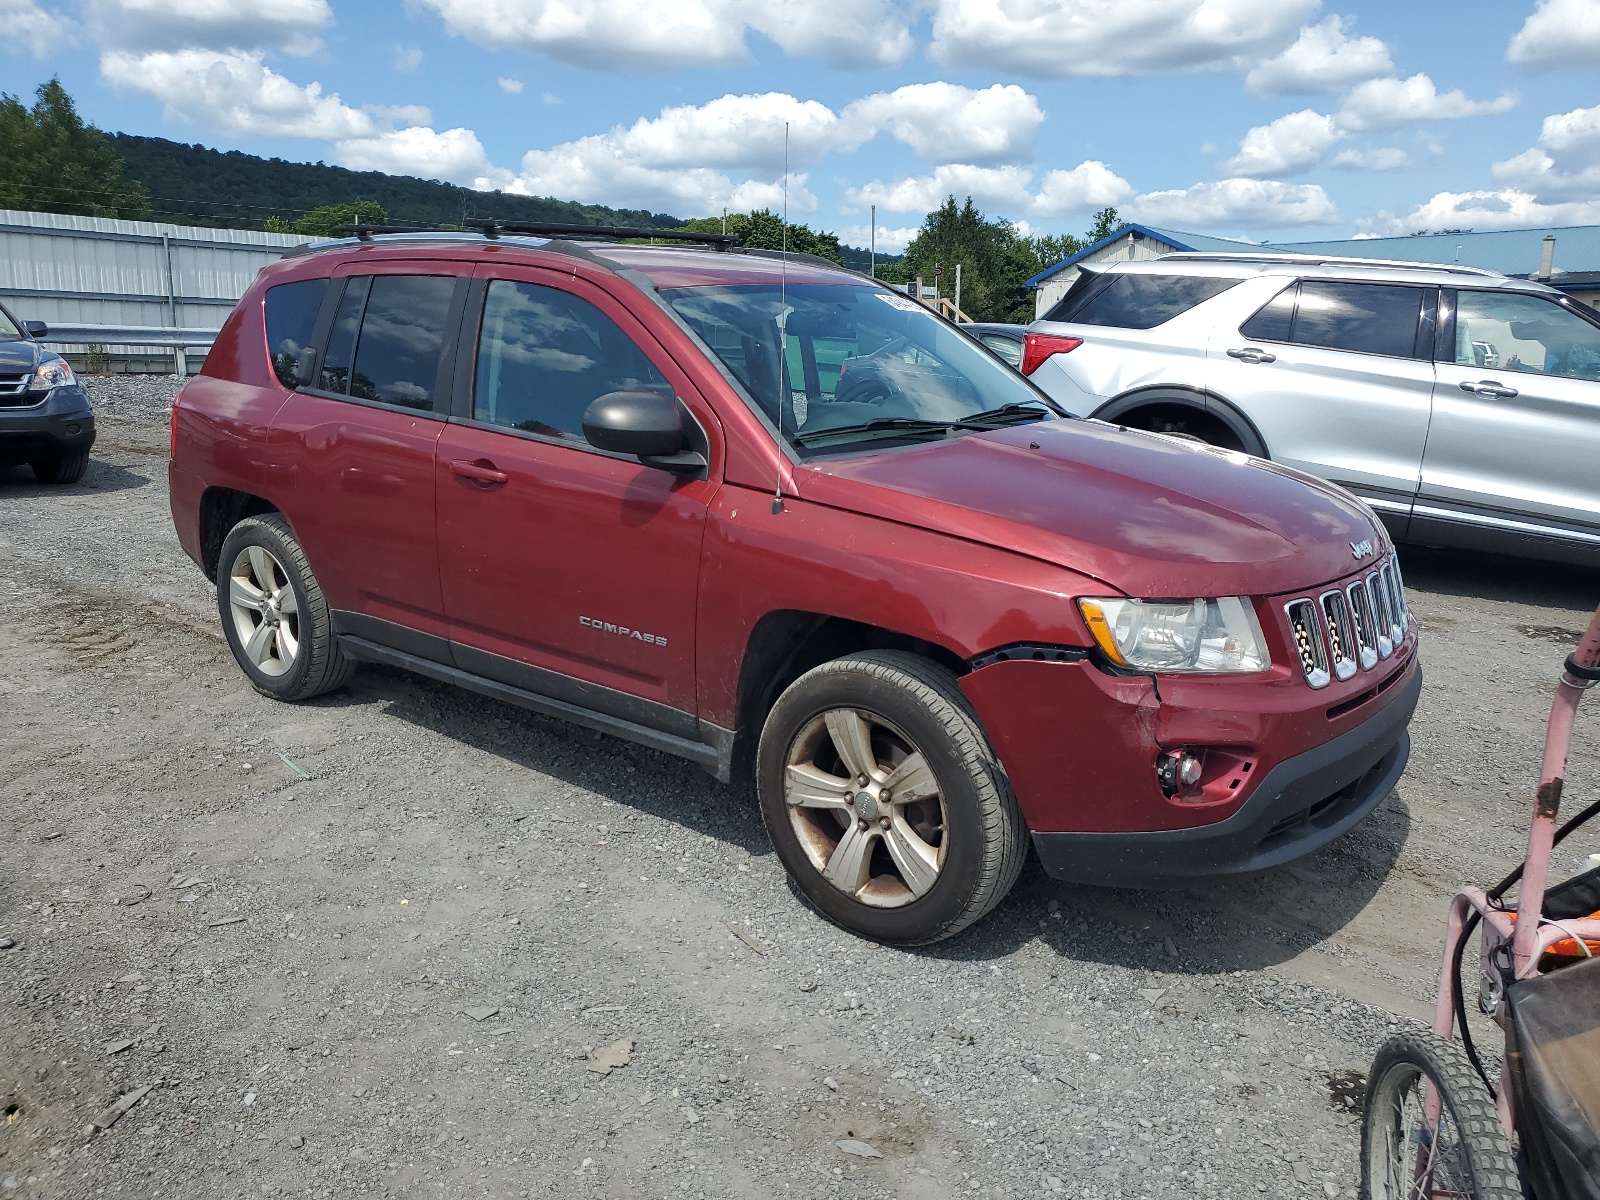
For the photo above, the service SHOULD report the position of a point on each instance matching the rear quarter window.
(291, 318)
(1139, 301)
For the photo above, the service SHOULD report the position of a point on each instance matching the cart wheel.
(1462, 1153)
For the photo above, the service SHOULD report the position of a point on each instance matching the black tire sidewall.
(257, 531)
(925, 918)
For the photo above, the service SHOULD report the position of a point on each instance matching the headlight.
(1189, 637)
(51, 373)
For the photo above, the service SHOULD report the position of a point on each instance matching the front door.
(1337, 377)
(568, 571)
(1515, 443)
(355, 453)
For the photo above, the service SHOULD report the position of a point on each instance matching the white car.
(1463, 406)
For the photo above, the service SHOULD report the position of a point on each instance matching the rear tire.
(884, 800)
(1471, 1155)
(61, 468)
(274, 614)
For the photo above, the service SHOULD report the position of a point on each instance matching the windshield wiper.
(910, 425)
(1008, 414)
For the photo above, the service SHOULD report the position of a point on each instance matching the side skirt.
(714, 755)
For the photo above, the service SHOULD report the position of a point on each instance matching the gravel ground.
(370, 945)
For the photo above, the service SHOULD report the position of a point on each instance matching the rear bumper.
(62, 424)
(1303, 803)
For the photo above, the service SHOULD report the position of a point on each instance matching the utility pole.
(874, 244)
(724, 218)
(958, 291)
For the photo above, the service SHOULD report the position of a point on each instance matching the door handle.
(1251, 355)
(481, 472)
(1488, 389)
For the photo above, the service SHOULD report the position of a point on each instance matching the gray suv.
(45, 417)
(1463, 406)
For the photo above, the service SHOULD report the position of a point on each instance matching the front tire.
(274, 613)
(884, 800)
(61, 468)
(1464, 1153)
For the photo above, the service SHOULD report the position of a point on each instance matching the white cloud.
(30, 28)
(290, 25)
(1558, 33)
(1507, 208)
(1378, 158)
(1052, 39)
(1088, 186)
(890, 240)
(1322, 59)
(730, 131)
(1292, 143)
(1385, 103)
(942, 122)
(550, 98)
(511, 87)
(1565, 165)
(1235, 203)
(454, 155)
(592, 170)
(641, 35)
(407, 58)
(232, 92)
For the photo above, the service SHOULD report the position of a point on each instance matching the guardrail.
(129, 335)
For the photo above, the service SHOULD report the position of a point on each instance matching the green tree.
(763, 230)
(1106, 222)
(52, 162)
(321, 222)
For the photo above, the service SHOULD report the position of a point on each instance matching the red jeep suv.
(764, 513)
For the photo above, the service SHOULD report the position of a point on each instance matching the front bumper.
(62, 424)
(1302, 804)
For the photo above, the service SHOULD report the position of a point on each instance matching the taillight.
(1036, 347)
(172, 445)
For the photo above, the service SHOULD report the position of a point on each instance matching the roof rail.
(1325, 260)
(365, 232)
(493, 229)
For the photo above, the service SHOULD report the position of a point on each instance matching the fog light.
(1179, 771)
(74, 430)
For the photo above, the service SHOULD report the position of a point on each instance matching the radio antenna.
(784, 393)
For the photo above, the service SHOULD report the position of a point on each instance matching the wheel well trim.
(219, 510)
(1187, 396)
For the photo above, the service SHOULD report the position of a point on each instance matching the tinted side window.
(1374, 318)
(335, 373)
(1524, 333)
(1141, 301)
(291, 316)
(402, 338)
(1272, 320)
(544, 355)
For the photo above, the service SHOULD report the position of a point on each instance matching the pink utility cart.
(1436, 1125)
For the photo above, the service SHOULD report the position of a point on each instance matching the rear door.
(355, 451)
(1516, 425)
(568, 571)
(1338, 378)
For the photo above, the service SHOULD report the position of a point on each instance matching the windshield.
(9, 332)
(868, 363)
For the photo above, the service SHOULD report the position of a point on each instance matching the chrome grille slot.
(1309, 646)
(1390, 574)
(1366, 623)
(14, 393)
(1379, 592)
(1341, 637)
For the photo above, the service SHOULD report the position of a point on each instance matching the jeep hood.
(1152, 516)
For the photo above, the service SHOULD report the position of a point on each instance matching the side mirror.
(36, 329)
(305, 368)
(646, 424)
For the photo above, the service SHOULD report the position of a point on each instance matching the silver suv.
(1462, 405)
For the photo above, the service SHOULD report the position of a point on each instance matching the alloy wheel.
(865, 807)
(266, 615)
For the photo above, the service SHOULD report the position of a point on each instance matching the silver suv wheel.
(865, 807)
(265, 614)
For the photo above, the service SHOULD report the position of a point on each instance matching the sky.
(1266, 119)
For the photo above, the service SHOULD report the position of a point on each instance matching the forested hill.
(194, 185)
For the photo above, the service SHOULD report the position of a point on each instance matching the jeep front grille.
(1348, 630)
